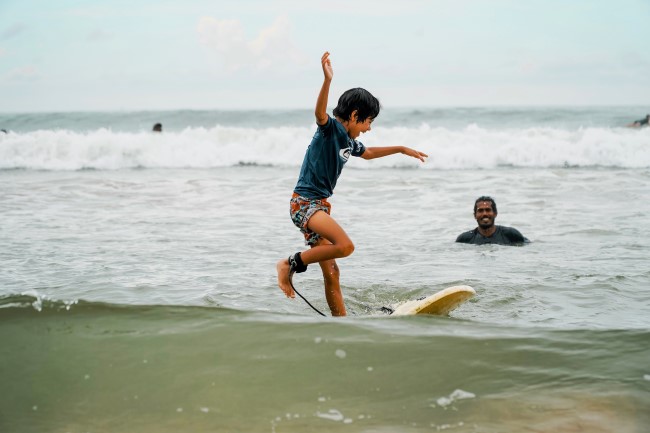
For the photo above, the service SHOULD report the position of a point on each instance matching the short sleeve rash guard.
(502, 236)
(326, 155)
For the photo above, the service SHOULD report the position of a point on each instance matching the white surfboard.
(440, 303)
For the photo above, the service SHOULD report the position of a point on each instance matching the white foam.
(332, 415)
(471, 147)
(458, 394)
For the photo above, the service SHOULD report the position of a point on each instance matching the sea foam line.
(468, 148)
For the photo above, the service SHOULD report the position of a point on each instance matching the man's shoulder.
(466, 237)
(507, 229)
(512, 234)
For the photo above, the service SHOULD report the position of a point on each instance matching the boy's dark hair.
(359, 99)
(486, 198)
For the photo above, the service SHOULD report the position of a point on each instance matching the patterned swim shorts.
(302, 209)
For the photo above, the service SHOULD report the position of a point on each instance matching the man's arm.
(380, 152)
(321, 102)
(465, 237)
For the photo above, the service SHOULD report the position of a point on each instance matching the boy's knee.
(346, 249)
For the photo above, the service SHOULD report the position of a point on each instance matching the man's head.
(485, 211)
(157, 127)
(359, 100)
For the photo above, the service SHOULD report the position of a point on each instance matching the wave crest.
(473, 147)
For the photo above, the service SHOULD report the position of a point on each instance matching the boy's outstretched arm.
(321, 103)
(379, 152)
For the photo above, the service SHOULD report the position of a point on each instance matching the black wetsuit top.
(641, 122)
(502, 236)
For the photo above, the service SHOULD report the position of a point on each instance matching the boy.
(332, 145)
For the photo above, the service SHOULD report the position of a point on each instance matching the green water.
(103, 368)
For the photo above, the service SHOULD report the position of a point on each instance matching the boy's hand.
(321, 102)
(327, 66)
(415, 153)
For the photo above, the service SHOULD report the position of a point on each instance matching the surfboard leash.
(303, 298)
(385, 310)
(296, 265)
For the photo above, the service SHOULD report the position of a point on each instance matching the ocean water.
(138, 289)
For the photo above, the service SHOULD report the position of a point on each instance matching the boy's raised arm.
(321, 103)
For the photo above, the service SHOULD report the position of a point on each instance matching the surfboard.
(440, 303)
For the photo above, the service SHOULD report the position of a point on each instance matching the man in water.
(157, 127)
(640, 122)
(485, 212)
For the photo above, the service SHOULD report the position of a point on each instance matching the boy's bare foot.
(284, 278)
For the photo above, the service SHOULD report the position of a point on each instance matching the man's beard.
(486, 225)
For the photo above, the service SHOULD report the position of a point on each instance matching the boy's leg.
(339, 245)
(333, 292)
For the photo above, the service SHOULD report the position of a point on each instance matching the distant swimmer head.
(157, 127)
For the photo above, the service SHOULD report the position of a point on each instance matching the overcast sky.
(67, 55)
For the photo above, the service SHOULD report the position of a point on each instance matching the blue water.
(453, 118)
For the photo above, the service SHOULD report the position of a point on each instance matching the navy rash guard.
(326, 155)
(502, 236)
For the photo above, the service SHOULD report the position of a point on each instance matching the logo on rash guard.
(345, 153)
